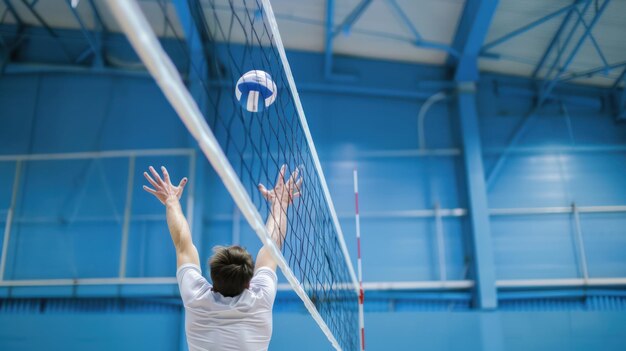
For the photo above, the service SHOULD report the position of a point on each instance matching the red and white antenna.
(359, 268)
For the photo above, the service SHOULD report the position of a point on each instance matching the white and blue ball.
(255, 90)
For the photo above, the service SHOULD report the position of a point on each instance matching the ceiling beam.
(527, 27)
(47, 27)
(547, 86)
(470, 36)
(332, 31)
(555, 39)
(593, 40)
(352, 17)
(593, 72)
(550, 83)
(13, 12)
(94, 44)
(405, 19)
(100, 25)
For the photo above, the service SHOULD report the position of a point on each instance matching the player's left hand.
(163, 188)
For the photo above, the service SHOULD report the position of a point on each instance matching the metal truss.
(552, 68)
(11, 43)
(556, 71)
(346, 27)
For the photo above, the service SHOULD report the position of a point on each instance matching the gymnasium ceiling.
(420, 31)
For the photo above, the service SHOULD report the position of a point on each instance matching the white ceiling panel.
(380, 32)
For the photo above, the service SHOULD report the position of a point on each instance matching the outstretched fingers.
(266, 193)
(281, 175)
(150, 180)
(284, 190)
(156, 175)
(166, 175)
(181, 187)
(293, 177)
(298, 185)
(150, 190)
(295, 189)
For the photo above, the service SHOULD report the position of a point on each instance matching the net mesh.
(239, 39)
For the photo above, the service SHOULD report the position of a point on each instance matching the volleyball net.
(247, 149)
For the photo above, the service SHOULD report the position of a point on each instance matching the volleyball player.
(235, 312)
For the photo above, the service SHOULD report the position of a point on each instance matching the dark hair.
(231, 269)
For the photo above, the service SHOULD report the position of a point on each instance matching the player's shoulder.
(264, 274)
(264, 284)
(192, 285)
(187, 268)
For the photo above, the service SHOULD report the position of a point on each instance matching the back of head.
(231, 269)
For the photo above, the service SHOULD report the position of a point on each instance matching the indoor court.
(313, 175)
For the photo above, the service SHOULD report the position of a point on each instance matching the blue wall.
(68, 215)
(159, 329)
(73, 113)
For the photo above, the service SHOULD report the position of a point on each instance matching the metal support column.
(468, 41)
(470, 36)
(484, 270)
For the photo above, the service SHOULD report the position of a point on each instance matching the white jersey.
(215, 322)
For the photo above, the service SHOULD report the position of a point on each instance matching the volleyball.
(253, 87)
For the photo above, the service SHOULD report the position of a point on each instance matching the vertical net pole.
(359, 267)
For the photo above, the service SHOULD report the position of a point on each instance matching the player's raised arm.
(170, 195)
(280, 197)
